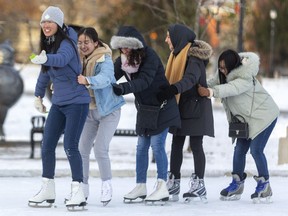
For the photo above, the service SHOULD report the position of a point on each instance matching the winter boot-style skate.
(197, 189)
(77, 197)
(173, 186)
(46, 193)
(263, 191)
(160, 195)
(234, 190)
(85, 188)
(106, 192)
(140, 191)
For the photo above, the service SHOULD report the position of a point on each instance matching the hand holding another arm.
(167, 93)
(205, 92)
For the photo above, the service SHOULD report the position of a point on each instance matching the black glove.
(167, 93)
(118, 89)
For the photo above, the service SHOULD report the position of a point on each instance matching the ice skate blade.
(160, 202)
(202, 199)
(261, 200)
(44, 204)
(230, 198)
(131, 201)
(105, 202)
(174, 198)
(76, 207)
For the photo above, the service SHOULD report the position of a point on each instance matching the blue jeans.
(256, 146)
(69, 119)
(157, 143)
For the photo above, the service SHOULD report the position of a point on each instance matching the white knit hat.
(53, 14)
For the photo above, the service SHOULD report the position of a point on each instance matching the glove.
(38, 104)
(39, 59)
(205, 92)
(118, 89)
(167, 93)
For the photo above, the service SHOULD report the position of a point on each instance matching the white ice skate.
(138, 194)
(106, 192)
(46, 193)
(160, 196)
(85, 188)
(77, 202)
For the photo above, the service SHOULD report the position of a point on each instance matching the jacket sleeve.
(105, 75)
(118, 72)
(41, 85)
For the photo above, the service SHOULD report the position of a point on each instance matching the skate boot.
(197, 189)
(160, 195)
(140, 191)
(85, 188)
(234, 190)
(173, 186)
(46, 193)
(263, 191)
(77, 197)
(106, 192)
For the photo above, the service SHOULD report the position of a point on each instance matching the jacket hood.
(180, 36)
(201, 50)
(128, 37)
(250, 66)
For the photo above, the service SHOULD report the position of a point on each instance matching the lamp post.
(273, 16)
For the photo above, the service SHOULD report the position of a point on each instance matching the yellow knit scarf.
(176, 66)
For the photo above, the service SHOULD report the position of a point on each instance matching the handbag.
(238, 128)
(147, 116)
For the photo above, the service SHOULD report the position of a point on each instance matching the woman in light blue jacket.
(242, 94)
(104, 109)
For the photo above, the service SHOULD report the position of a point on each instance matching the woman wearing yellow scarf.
(185, 70)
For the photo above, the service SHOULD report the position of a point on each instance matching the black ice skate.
(173, 186)
(263, 192)
(197, 190)
(234, 190)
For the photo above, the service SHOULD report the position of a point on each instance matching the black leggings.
(176, 158)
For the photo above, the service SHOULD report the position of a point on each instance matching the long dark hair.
(91, 33)
(135, 57)
(232, 60)
(52, 44)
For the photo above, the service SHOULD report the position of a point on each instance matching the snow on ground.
(20, 176)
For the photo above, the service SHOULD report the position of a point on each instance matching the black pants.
(176, 158)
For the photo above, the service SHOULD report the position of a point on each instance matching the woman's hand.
(205, 92)
(82, 80)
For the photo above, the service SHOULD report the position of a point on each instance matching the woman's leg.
(176, 157)
(196, 145)
(142, 158)
(53, 129)
(257, 150)
(159, 152)
(75, 118)
(106, 130)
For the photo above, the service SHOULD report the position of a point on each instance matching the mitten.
(38, 104)
(39, 59)
(167, 93)
(118, 89)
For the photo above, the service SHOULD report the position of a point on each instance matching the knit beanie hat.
(53, 14)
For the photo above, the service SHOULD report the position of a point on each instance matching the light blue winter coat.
(238, 93)
(100, 83)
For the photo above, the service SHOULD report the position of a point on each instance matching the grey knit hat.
(53, 14)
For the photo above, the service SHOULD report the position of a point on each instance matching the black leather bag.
(238, 128)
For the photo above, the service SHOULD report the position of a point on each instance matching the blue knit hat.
(53, 14)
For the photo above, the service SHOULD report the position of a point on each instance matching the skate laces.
(233, 185)
(261, 186)
(170, 181)
(193, 185)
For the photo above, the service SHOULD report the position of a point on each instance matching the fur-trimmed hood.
(201, 50)
(250, 66)
(128, 37)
